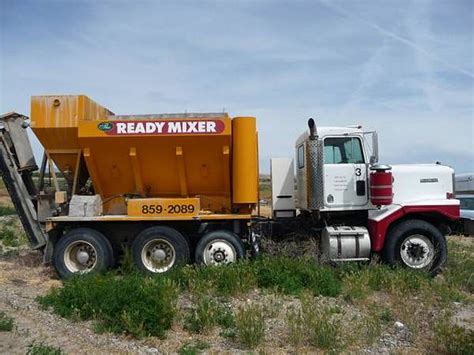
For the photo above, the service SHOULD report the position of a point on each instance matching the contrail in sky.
(396, 37)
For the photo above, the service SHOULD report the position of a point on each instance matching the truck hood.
(421, 183)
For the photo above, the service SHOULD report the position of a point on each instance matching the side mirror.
(375, 147)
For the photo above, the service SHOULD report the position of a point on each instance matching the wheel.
(158, 249)
(416, 244)
(218, 248)
(82, 251)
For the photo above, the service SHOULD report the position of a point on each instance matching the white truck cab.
(359, 206)
(333, 163)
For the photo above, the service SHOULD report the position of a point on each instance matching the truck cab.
(360, 207)
(332, 168)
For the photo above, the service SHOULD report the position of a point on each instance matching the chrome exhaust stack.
(313, 132)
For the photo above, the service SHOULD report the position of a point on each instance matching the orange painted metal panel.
(245, 160)
(54, 120)
(163, 207)
(163, 164)
(212, 158)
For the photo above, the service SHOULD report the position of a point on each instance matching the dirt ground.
(22, 279)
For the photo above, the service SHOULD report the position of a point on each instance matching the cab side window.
(343, 150)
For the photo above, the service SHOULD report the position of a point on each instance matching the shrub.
(127, 265)
(289, 276)
(133, 304)
(324, 330)
(250, 325)
(6, 323)
(42, 349)
(203, 317)
(360, 280)
(315, 324)
(8, 238)
(386, 315)
(7, 211)
(292, 276)
(228, 280)
(225, 317)
(206, 314)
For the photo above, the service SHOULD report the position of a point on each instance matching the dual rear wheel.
(155, 250)
(158, 249)
(81, 251)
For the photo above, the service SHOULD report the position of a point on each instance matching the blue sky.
(405, 68)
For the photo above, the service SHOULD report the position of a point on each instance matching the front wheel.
(416, 244)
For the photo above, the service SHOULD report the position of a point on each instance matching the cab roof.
(329, 131)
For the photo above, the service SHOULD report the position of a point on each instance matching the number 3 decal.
(358, 171)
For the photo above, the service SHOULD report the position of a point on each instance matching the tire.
(159, 249)
(87, 244)
(219, 247)
(416, 244)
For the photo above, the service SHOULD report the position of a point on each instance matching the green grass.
(42, 349)
(360, 280)
(459, 273)
(250, 325)
(132, 304)
(315, 324)
(296, 327)
(292, 276)
(7, 211)
(453, 339)
(9, 239)
(193, 349)
(11, 236)
(284, 275)
(207, 314)
(6, 322)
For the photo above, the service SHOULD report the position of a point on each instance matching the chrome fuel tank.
(345, 243)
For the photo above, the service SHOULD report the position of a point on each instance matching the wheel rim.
(80, 257)
(158, 255)
(219, 252)
(417, 251)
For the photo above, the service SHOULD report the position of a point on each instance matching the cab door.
(345, 173)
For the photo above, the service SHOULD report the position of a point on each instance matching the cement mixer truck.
(182, 188)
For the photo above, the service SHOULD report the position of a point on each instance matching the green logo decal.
(105, 126)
